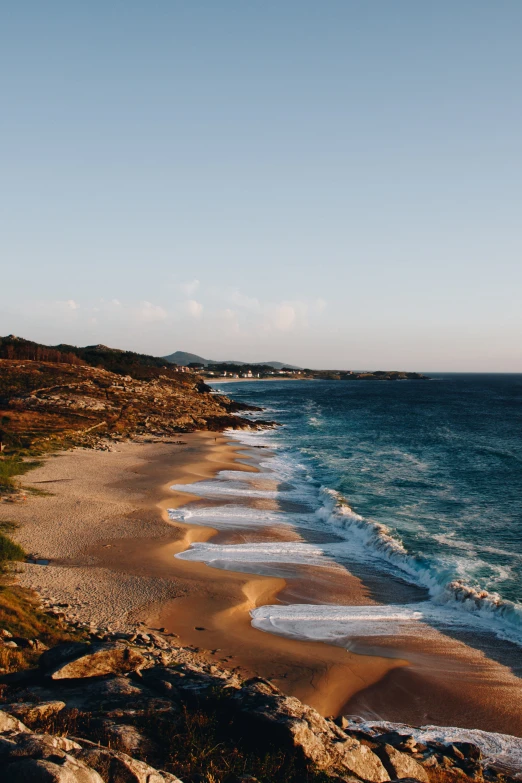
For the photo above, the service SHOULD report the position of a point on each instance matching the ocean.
(418, 483)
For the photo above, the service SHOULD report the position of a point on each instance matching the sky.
(332, 185)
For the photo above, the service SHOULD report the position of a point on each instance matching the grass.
(14, 466)
(9, 550)
(21, 615)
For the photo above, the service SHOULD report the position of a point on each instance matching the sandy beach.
(111, 548)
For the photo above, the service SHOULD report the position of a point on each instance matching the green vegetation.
(14, 466)
(137, 365)
(9, 550)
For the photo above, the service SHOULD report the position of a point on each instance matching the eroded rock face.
(286, 720)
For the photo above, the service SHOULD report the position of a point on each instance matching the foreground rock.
(27, 757)
(120, 705)
(265, 711)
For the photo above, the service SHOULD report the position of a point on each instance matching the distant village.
(239, 371)
(255, 372)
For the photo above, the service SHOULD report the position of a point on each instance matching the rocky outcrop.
(90, 406)
(283, 719)
(129, 690)
(116, 767)
(400, 765)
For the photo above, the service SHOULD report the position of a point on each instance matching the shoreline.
(136, 576)
(215, 614)
(112, 550)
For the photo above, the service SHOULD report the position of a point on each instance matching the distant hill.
(138, 365)
(183, 358)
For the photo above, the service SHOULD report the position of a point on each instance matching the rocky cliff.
(48, 404)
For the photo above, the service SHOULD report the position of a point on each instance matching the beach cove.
(109, 534)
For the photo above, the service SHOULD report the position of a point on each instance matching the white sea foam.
(228, 516)
(501, 749)
(218, 489)
(327, 623)
(288, 552)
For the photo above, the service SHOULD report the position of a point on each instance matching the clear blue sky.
(332, 184)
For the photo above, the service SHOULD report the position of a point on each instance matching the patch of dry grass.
(21, 615)
(202, 742)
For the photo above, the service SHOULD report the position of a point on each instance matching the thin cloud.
(149, 312)
(194, 308)
(189, 287)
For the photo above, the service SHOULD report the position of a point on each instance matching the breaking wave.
(504, 616)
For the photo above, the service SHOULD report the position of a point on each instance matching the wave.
(504, 616)
(228, 516)
(287, 552)
(337, 624)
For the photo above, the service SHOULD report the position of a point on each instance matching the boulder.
(117, 767)
(405, 780)
(33, 712)
(124, 737)
(10, 723)
(58, 655)
(99, 661)
(469, 750)
(397, 740)
(400, 765)
(68, 770)
(40, 746)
